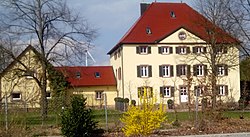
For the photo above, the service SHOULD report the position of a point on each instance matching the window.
(172, 14)
(119, 73)
(221, 50)
(98, 94)
(167, 91)
(222, 90)
(48, 95)
(78, 75)
(148, 30)
(145, 92)
(199, 50)
(29, 74)
(183, 90)
(182, 50)
(115, 56)
(16, 96)
(165, 50)
(97, 74)
(183, 70)
(144, 71)
(166, 71)
(222, 70)
(143, 50)
(200, 70)
(198, 90)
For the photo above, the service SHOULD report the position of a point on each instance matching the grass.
(34, 118)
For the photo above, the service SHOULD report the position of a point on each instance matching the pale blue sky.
(112, 19)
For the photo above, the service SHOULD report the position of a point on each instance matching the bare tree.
(52, 28)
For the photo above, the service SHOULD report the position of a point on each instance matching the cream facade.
(159, 65)
(17, 83)
(96, 95)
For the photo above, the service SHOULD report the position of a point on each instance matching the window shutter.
(178, 70)
(226, 90)
(149, 50)
(195, 88)
(171, 71)
(205, 70)
(224, 49)
(195, 70)
(138, 71)
(150, 71)
(160, 71)
(188, 70)
(217, 70)
(194, 49)
(161, 92)
(217, 87)
(188, 50)
(139, 92)
(226, 70)
(172, 91)
(204, 49)
(137, 50)
(170, 50)
(177, 50)
(159, 50)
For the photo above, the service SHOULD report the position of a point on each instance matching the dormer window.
(97, 74)
(148, 30)
(78, 75)
(172, 14)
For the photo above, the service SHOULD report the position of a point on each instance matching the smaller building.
(94, 82)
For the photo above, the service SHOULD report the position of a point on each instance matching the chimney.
(144, 7)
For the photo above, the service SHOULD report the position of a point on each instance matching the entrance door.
(183, 94)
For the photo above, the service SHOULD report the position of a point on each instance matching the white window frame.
(167, 91)
(48, 92)
(199, 50)
(199, 90)
(143, 50)
(183, 70)
(222, 90)
(98, 95)
(183, 50)
(183, 89)
(221, 70)
(16, 99)
(200, 70)
(144, 71)
(166, 71)
(165, 50)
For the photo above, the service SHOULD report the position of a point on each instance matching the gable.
(182, 36)
(28, 58)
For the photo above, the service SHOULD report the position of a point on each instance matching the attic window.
(78, 75)
(172, 14)
(148, 30)
(97, 74)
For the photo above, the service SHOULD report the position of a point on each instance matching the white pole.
(6, 113)
(86, 57)
(105, 106)
(196, 109)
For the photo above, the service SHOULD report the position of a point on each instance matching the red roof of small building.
(87, 76)
(157, 18)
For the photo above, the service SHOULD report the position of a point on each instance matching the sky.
(111, 19)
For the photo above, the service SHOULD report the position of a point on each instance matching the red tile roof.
(87, 75)
(157, 18)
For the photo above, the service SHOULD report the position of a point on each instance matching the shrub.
(133, 102)
(77, 121)
(142, 120)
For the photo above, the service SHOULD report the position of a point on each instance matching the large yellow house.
(17, 81)
(18, 85)
(169, 52)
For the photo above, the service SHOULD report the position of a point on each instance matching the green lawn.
(34, 118)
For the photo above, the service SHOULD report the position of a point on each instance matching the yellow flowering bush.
(143, 119)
